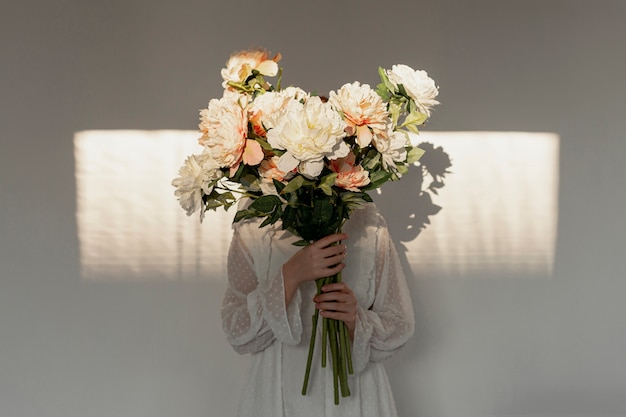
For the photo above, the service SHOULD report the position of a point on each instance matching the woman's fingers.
(326, 255)
(338, 302)
(336, 297)
(329, 240)
(322, 258)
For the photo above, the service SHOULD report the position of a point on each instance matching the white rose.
(418, 85)
(224, 125)
(308, 133)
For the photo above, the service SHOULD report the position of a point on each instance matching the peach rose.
(349, 176)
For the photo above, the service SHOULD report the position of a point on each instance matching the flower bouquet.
(304, 160)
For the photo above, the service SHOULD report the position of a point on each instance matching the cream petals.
(363, 110)
(418, 85)
(259, 139)
(308, 132)
(241, 64)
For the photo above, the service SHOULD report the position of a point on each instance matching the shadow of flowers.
(412, 214)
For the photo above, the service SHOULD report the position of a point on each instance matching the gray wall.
(514, 345)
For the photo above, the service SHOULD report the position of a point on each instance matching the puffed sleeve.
(388, 323)
(253, 311)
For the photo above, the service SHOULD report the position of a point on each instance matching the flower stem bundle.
(336, 340)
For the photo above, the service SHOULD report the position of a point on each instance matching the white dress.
(256, 321)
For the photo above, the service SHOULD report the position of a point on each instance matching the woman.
(271, 297)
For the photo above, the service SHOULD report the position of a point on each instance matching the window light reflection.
(499, 208)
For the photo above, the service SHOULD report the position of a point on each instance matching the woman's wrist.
(290, 283)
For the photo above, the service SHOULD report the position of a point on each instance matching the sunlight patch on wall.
(499, 207)
(498, 212)
(130, 225)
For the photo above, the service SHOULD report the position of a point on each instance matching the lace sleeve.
(253, 311)
(389, 323)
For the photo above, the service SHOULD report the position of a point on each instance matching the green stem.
(310, 358)
(347, 346)
(345, 337)
(324, 340)
(320, 283)
(335, 359)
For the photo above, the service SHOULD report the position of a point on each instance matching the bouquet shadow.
(412, 215)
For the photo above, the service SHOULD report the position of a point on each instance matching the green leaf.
(244, 214)
(382, 91)
(394, 112)
(355, 200)
(327, 182)
(414, 118)
(322, 210)
(402, 169)
(372, 160)
(249, 181)
(264, 205)
(378, 178)
(239, 172)
(414, 154)
(273, 218)
(297, 182)
(289, 217)
(278, 185)
(385, 79)
(264, 144)
(402, 91)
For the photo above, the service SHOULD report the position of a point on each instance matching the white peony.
(392, 149)
(266, 109)
(363, 110)
(240, 66)
(195, 179)
(418, 85)
(224, 125)
(308, 133)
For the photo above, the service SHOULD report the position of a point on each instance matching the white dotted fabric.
(256, 321)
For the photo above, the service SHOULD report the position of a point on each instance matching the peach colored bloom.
(240, 65)
(363, 110)
(349, 176)
(224, 125)
(269, 171)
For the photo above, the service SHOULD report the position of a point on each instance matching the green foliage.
(269, 206)
(326, 184)
(215, 199)
(414, 154)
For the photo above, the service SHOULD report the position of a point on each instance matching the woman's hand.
(320, 259)
(337, 301)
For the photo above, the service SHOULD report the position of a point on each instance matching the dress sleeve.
(384, 327)
(253, 310)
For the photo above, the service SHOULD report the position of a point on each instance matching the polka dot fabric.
(257, 321)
